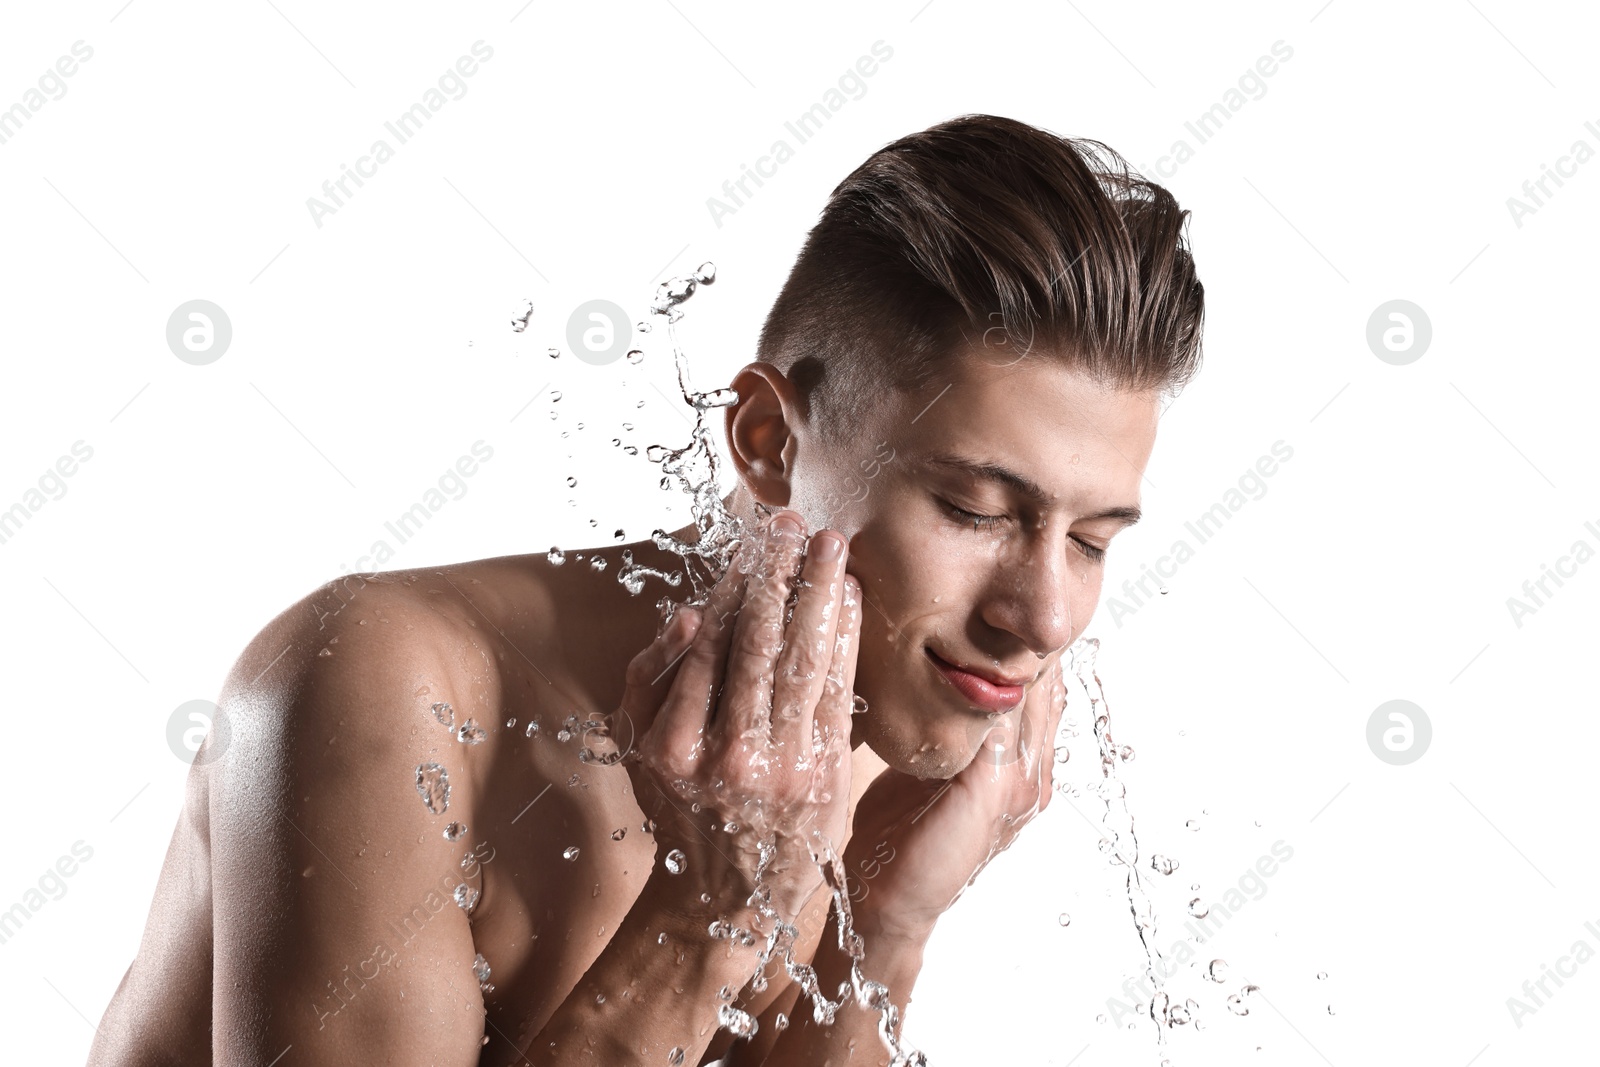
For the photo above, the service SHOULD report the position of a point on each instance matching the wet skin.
(304, 899)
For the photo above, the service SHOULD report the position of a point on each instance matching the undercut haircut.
(985, 231)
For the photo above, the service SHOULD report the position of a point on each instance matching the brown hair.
(986, 228)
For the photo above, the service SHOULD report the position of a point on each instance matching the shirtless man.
(957, 393)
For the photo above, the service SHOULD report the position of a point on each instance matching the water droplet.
(619, 833)
(470, 733)
(520, 323)
(555, 353)
(1237, 1005)
(563, 734)
(735, 1021)
(858, 704)
(676, 861)
(1199, 908)
(326, 652)
(466, 896)
(532, 730)
(1193, 824)
(433, 785)
(480, 968)
(454, 831)
(571, 481)
(556, 557)
(445, 714)
(705, 273)
(555, 395)
(1064, 919)
(598, 563)
(635, 355)
(1163, 864)
(511, 722)
(1217, 971)
(675, 1058)
(570, 853)
(1125, 753)
(1322, 976)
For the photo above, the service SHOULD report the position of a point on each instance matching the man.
(957, 393)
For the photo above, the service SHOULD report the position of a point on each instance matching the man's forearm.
(644, 996)
(892, 959)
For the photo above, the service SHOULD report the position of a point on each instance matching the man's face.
(1002, 596)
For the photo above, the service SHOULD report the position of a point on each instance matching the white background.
(369, 353)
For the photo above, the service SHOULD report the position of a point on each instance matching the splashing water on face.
(718, 535)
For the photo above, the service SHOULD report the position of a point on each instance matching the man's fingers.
(838, 693)
(753, 656)
(809, 641)
(699, 674)
(1057, 691)
(650, 673)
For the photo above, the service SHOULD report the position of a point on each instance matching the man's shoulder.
(364, 643)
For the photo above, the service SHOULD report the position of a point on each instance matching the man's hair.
(986, 231)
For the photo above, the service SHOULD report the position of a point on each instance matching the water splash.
(694, 466)
(1119, 838)
(520, 323)
(433, 785)
(718, 536)
(480, 970)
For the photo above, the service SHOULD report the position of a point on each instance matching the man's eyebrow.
(994, 472)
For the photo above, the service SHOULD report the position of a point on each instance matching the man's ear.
(760, 430)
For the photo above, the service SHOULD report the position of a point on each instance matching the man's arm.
(336, 934)
(335, 931)
(893, 958)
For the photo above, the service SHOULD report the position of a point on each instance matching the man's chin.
(920, 753)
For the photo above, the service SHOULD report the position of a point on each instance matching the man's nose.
(1030, 597)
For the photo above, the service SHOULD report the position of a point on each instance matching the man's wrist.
(898, 932)
(680, 909)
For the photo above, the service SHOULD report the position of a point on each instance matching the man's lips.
(980, 691)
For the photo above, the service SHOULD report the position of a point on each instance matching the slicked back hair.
(986, 231)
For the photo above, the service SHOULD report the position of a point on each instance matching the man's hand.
(750, 747)
(918, 843)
